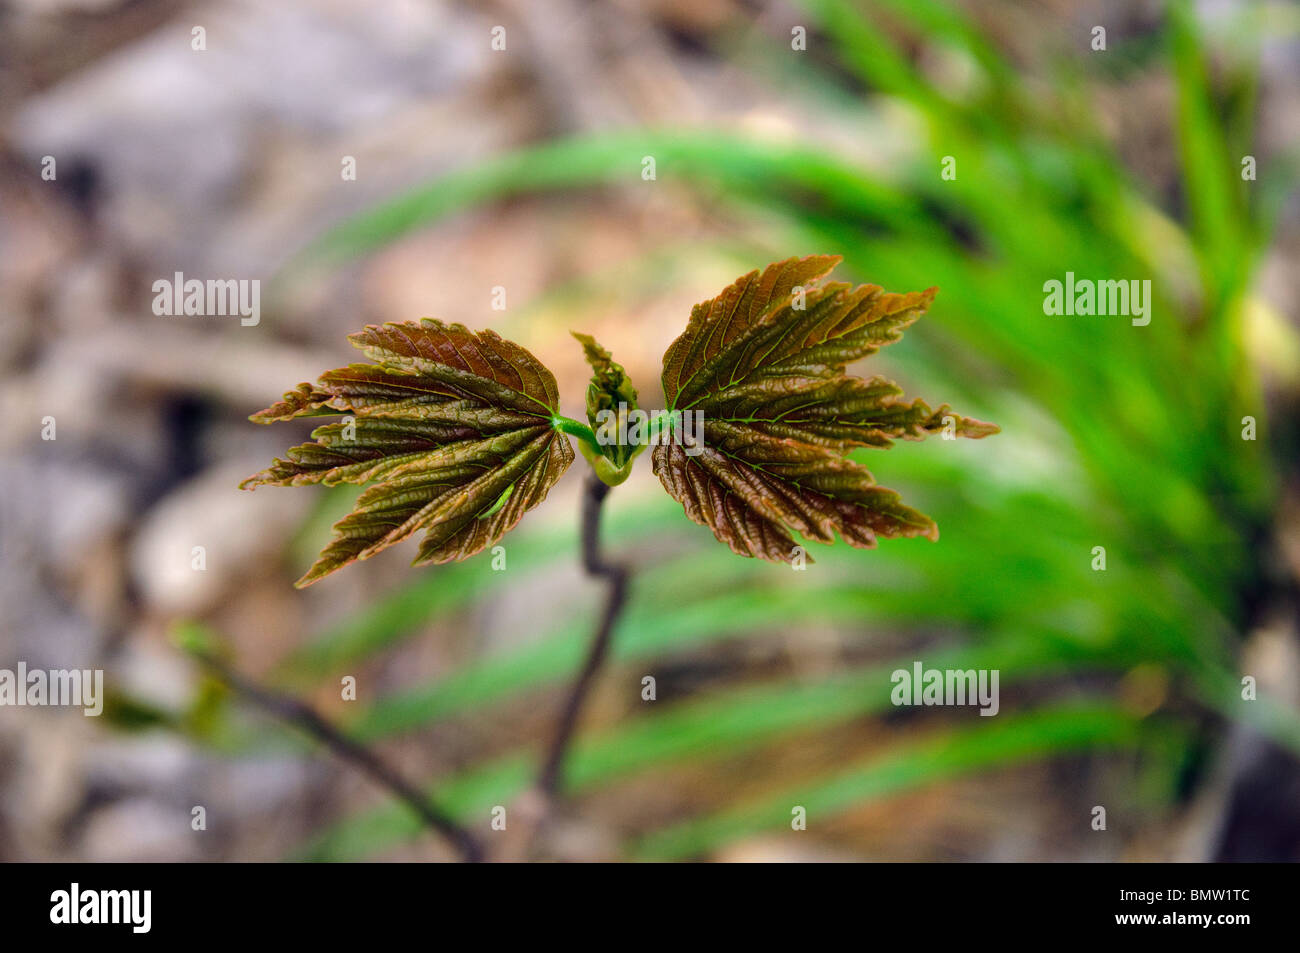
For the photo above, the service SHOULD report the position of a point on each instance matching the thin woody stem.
(616, 577)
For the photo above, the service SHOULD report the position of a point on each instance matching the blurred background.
(775, 129)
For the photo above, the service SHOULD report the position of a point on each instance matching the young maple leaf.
(765, 363)
(611, 400)
(456, 425)
(461, 433)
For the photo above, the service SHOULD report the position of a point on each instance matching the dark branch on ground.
(302, 716)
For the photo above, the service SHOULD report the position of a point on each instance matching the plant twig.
(616, 577)
(301, 715)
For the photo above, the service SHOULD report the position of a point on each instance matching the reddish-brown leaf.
(765, 364)
(454, 424)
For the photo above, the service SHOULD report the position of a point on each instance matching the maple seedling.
(460, 431)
